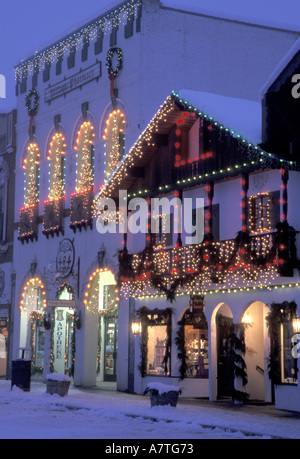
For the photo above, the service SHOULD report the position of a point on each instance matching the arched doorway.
(224, 322)
(103, 301)
(32, 336)
(257, 344)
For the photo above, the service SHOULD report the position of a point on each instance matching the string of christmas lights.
(56, 167)
(31, 180)
(84, 157)
(91, 295)
(105, 24)
(33, 296)
(114, 145)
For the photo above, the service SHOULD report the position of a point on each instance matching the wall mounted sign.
(197, 304)
(73, 82)
(65, 257)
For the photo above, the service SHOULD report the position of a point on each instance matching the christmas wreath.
(109, 58)
(28, 102)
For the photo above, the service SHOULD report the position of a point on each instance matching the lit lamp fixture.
(136, 327)
(246, 319)
(296, 325)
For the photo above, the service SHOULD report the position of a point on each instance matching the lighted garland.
(84, 147)
(36, 320)
(210, 263)
(32, 109)
(31, 167)
(91, 297)
(109, 65)
(56, 52)
(30, 300)
(256, 156)
(114, 128)
(55, 157)
(70, 322)
(52, 356)
(280, 313)
(64, 286)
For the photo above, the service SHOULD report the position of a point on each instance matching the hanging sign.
(73, 82)
(59, 341)
(65, 257)
(61, 304)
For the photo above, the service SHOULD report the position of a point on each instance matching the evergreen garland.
(280, 313)
(237, 351)
(36, 319)
(52, 358)
(182, 354)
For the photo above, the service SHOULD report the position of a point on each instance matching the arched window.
(31, 167)
(28, 227)
(56, 170)
(85, 157)
(115, 141)
(53, 207)
(82, 199)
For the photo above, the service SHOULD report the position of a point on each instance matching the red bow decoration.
(31, 122)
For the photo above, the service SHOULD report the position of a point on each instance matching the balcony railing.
(240, 262)
(53, 217)
(81, 210)
(28, 223)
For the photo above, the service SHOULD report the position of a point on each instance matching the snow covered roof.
(241, 117)
(280, 67)
(268, 13)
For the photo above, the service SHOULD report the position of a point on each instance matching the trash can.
(21, 371)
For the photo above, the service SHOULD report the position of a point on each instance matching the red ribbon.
(112, 85)
(31, 122)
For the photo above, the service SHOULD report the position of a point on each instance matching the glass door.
(110, 349)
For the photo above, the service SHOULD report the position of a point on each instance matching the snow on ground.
(114, 415)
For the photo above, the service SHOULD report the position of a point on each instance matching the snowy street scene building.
(241, 283)
(7, 272)
(143, 99)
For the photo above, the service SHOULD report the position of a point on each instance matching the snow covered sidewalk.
(109, 414)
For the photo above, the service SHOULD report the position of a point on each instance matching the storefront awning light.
(136, 327)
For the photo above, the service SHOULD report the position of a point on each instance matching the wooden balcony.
(81, 210)
(53, 217)
(236, 263)
(28, 223)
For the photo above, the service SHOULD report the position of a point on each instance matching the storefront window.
(156, 345)
(195, 336)
(155, 341)
(288, 362)
(196, 341)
